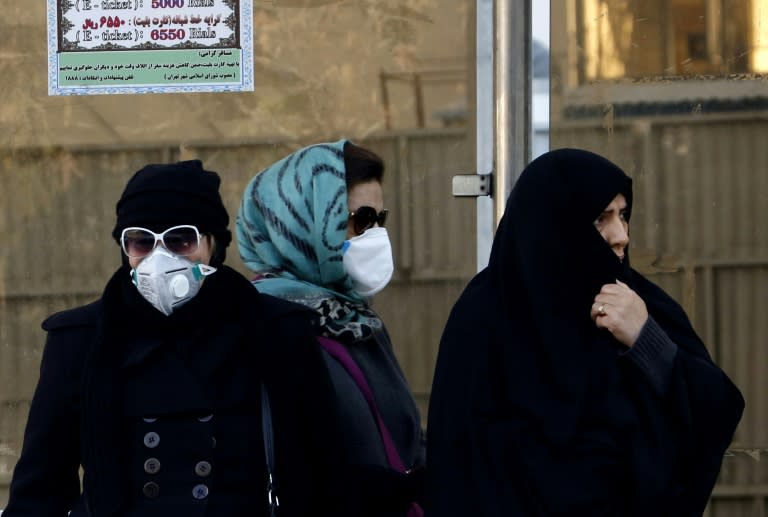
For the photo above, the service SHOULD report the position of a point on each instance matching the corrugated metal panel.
(59, 212)
(741, 302)
(713, 183)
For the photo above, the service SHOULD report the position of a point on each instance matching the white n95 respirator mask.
(368, 261)
(168, 281)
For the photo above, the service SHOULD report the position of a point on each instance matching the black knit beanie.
(160, 196)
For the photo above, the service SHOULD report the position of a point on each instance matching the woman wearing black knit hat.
(160, 389)
(567, 383)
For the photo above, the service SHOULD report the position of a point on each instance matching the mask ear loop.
(201, 271)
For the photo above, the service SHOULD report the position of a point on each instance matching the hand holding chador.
(620, 310)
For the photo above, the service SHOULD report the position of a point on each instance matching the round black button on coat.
(203, 468)
(151, 440)
(152, 466)
(151, 489)
(200, 492)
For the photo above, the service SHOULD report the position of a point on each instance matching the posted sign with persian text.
(149, 46)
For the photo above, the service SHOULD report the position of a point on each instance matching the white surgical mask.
(168, 281)
(368, 261)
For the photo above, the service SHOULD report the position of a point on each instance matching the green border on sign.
(149, 67)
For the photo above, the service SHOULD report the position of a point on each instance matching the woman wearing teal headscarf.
(311, 227)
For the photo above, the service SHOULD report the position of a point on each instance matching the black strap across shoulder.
(269, 451)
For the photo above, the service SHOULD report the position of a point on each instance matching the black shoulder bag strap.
(269, 451)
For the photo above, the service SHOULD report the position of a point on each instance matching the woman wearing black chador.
(567, 384)
(157, 389)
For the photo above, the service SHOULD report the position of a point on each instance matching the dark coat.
(188, 439)
(537, 412)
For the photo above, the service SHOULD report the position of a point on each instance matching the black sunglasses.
(365, 217)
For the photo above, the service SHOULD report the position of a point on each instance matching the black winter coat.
(185, 400)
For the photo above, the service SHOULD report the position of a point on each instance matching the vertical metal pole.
(714, 21)
(484, 102)
(513, 96)
(504, 99)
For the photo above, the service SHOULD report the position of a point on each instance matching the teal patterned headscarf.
(291, 229)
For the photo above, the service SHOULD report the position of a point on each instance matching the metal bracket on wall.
(472, 185)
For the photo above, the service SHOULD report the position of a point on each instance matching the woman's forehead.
(617, 203)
